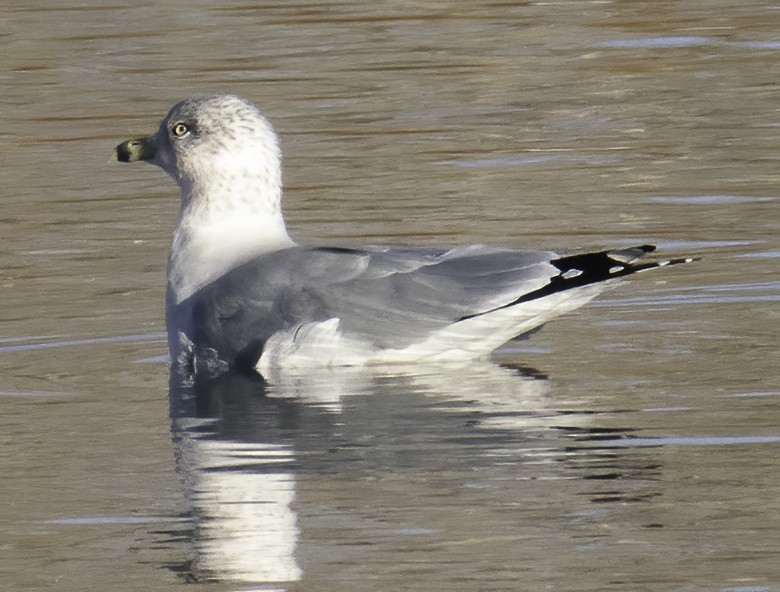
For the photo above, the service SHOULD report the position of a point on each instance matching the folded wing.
(388, 297)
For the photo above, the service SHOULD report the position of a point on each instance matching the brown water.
(632, 445)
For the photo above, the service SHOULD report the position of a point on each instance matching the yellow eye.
(180, 129)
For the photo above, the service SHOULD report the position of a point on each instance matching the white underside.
(323, 344)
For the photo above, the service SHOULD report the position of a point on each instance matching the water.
(632, 445)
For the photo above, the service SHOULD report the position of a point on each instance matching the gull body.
(242, 293)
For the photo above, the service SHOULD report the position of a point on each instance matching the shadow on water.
(361, 469)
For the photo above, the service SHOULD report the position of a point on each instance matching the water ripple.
(138, 338)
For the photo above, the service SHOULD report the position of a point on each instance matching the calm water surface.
(632, 445)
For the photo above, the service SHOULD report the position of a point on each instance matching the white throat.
(220, 228)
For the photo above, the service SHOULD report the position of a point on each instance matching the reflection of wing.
(241, 443)
(371, 468)
(481, 385)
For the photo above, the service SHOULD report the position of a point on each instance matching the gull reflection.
(237, 438)
(240, 488)
(266, 465)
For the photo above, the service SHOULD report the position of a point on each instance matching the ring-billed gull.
(242, 294)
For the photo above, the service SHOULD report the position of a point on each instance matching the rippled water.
(632, 445)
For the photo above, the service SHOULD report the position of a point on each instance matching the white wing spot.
(572, 273)
(616, 268)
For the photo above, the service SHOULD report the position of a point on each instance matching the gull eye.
(180, 129)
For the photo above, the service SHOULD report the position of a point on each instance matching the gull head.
(225, 157)
(220, 150)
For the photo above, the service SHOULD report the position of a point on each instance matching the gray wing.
(391, 297)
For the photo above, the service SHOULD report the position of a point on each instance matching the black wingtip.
(591, 268)
(663, 263)
(576, 271)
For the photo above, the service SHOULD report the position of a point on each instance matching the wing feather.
(391, 297)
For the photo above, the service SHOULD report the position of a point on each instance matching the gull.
(241, 294)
